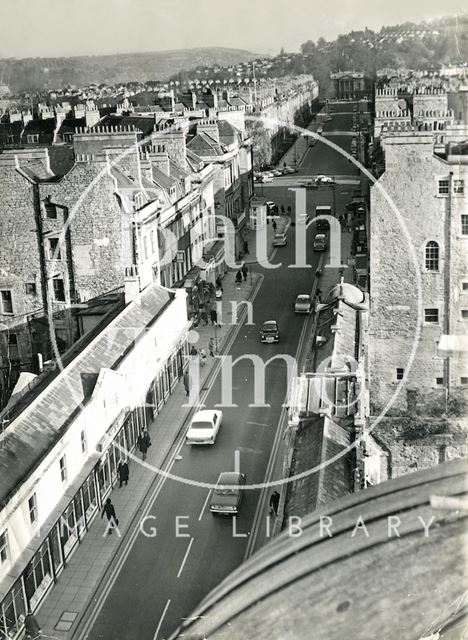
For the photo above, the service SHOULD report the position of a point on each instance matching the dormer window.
(139, 202)
(32, 138)
(172, 192)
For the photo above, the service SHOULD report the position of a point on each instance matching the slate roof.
(28, 439)
(228, 134)
(69, 125)
(144, 123)
(45, 129)
(10, 133)
(204, 145)
(318, 440)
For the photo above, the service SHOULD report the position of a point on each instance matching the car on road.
(280, 240)
(204, 427)
(319, 131)
(289, 170)
(303, 303)
(321, 179)
(269, 332)
(228, 493)
(277, 172)
(320, 242)
(266, 178)
(272, 208)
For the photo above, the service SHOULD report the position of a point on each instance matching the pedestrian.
(318, 295)
(202, 357)
(244, 271)
(111, 516)
(289, 210)
(186, 383)
(274, 225)
(274, 502)
(238, 277)
(123, 472)
(218, 283)
(282, 209)
(214, 316)
(144, 443)
(204, 317)
(31, 626)
(211, 346)
(193, 351)
(246, 247)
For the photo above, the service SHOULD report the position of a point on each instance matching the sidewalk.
(66, 603)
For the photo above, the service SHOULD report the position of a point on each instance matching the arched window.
(432, 256)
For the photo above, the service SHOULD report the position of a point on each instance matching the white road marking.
(185, 557)
(161, 619)
(237, 461)
(258, 424)
(204, 505)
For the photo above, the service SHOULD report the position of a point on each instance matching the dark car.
(270, 331)
(321, 224)
(228, 493)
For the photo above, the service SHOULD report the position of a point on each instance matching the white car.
(303, 304)
(204, 427)
(321, 179)
(277, 172)
(266, 179)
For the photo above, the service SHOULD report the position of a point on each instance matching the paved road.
(165, 577)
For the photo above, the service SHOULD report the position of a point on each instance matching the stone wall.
(99, 232)
(397, 260)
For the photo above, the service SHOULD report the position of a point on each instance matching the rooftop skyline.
(124, 26)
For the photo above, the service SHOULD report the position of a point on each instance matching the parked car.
(322, 225)
(303, 304)
(204, 427)
(228, 493)
(320, 242)
(269, 332)
(277, 172)
(280, 240)
(266, 179)
(289, 170)
(321, 179)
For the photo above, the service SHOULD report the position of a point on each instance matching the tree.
(261, 143)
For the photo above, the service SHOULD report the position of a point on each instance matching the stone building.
(418, 236)
(73, 238)
(351, 85)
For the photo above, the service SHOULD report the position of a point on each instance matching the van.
(321, 224)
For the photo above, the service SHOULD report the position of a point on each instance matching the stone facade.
(415, 181)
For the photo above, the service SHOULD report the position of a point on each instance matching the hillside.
(22, 74)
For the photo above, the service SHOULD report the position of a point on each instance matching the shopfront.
(65, 534)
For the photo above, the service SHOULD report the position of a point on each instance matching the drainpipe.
(448, 270)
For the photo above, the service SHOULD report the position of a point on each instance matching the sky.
(50, 28)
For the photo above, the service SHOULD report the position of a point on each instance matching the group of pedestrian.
(242, 274)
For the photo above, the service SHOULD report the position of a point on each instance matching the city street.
(320, 159)
(165, 576)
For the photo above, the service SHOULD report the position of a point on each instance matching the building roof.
(144, 123)
(204, 145)
(28, 439)
(70, 124)
(228, 134)
(318, 440)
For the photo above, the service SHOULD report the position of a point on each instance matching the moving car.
(228, 493)
(303, 303)
(321, 179)
(269, 332)
(280, 240)
(204, 427)
(320, 242)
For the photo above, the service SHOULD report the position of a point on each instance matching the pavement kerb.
(77, 629)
